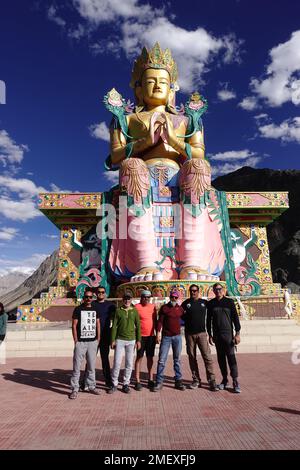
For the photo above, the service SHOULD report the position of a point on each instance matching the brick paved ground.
(36, 413)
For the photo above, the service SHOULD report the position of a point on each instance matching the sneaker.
(138, 386)
(125, 389)
(236, 387)
(112, 389)
(179, 385)
(151, 384)
(213, 387)
(223, 385)
(83, 388)
(195, 384)
(157, 387)
(94, 391)
(73, 395)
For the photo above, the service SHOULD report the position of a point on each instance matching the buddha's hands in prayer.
(158, 127)
(172, 139)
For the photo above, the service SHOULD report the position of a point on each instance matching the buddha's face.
(155, 89)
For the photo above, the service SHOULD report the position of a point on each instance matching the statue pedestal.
(161, 289)
(77, 215)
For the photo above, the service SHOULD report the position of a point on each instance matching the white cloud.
(249, 103)
(261, 117)
(103, 11)
(232, 155)
(77, 33)
(287, 131)
(50, 236)
(230, 167)
(10, 152)
(52, 16)
(27, 265)
(17, 195)
(138, 24)
(57, 189)
(23, 186)
(281, 83)
(232, 160)
(8, 233)
(225, 95)
(112, 176)
(22, 210)
(100, 131)
(193, 50)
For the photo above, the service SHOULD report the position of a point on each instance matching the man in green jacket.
(125, 335)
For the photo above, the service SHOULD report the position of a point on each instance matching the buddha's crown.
(154, 59)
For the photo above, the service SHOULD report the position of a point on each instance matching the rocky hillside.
(283, 233)
(40, 281)
(9, 280)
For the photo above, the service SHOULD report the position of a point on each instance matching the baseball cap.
(146, 293)
(127, 295)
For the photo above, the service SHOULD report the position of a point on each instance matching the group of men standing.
(100, 325)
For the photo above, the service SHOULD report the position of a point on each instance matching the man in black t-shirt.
(221, 318)
(86, 335)
(194, 317)
(107, 310)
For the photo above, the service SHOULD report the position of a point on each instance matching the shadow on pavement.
(285, 410)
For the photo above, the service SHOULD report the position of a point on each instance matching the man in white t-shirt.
(86, 335)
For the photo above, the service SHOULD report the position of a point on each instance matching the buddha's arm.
(117, 146)
(196, 145)
(121, 150)
(192, 147)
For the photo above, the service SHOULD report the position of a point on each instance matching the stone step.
(270, 330)
(242, 349)
(56, 340)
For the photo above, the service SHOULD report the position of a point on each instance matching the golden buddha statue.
(164, 175)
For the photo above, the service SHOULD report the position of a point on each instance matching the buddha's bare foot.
(147, 274)
(193, 272)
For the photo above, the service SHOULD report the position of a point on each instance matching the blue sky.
(58, 59)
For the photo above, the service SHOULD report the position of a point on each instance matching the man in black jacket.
(221, 318)
(195, 313)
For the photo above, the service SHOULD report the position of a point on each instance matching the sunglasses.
(126, 298)
(101, 292)
(146, 297)
(219, 288)
(193, 290)
(88, 296)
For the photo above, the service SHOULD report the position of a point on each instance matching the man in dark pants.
(106, 310)
(221, 318)
(195, 313)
